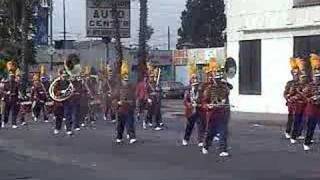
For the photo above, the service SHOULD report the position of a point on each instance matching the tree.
(202, 24)
(143, 38)
(118, 45)
(17, 28)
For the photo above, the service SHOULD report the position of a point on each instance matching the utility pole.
(51, 35)
(64, 24)
(169, 41)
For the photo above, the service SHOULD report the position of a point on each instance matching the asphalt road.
(258, 153)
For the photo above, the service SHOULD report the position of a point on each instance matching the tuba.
(73, 68)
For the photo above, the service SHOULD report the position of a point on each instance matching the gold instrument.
(73, 69)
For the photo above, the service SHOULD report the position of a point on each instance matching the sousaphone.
(73, 69)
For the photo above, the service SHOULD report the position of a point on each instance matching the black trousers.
(59, 114)
(154, 114)
(195, 118)
(218, 123)
(13, 107)
(297, 126)
(126, 120)
(38, 108)
(290, 123)
(312, 124)
(109, 110)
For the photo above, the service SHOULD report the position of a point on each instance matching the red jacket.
(312, 108)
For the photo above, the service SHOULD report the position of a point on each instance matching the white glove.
(149, 100)
(120, 103)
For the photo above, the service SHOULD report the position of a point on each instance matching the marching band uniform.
(216, 96)
(11, 97)
(58, 109)
(125, 98)
(299, 102)
(142, 99)
(288, 93)
(154, 104)
(193, 109)
(312, 91)
(92, 90)
(107, 89)
(39, 97)
(72, 106)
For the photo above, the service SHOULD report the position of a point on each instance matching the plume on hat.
(213, 65)
(315, 61)
(301, 64)
(294, 63)
(124, 70)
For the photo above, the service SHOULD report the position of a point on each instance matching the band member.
(39, 98)
(193, 111)
(216, 96)
(91, 87)
(288, 93)
(312, 92)
(126, 106)
(142, 100)
(58, 109)
(11, 96)
(154, 100)
(107, 90)
(299, 101)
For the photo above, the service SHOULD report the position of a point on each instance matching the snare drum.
(26, 107)
(49, 106)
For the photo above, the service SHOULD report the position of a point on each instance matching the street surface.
(259, 152)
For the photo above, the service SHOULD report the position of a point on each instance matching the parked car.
(171, 89)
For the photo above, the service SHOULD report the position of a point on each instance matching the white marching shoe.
(200, 144)
(287, 135)
(56, 131)
(204, 151)
(69, 133)
(14, 126)
(118, 141)
(293, 141)
(184, 142)
(77, 129)
(300, 138)
(128, 136)
(224, 154)
(144, 125)
(306, 148)
(3, 125)
(23, 123)
(83, 125)
(158, 129)
(216, 139)
(132, 141)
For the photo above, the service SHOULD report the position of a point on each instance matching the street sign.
(100, 20)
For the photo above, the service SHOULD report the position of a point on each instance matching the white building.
(262, 36)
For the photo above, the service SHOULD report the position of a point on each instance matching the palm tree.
(142, 52)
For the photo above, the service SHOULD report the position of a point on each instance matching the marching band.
(77, 94)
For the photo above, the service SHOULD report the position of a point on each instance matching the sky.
(162, 13)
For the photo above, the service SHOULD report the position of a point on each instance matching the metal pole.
(51, 35)
(64, 24)
(169, 41)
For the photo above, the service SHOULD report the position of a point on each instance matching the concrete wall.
(275, 23)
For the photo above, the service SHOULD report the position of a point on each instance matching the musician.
(91, 85)
(312, 91)
(39, 98)
(125, 98)
(107, 89)
(299, 103)
(193, 111)
(11, 97)
(154, 101)
(59, 107)
(142, 98)
(217, 101)
(288, 93)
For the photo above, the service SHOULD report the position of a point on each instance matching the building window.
(304, 45)
(250, 67)
(304, 3)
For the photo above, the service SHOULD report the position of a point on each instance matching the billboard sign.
(100, 21)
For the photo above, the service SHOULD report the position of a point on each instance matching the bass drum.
(49, 107)
(26, 107)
